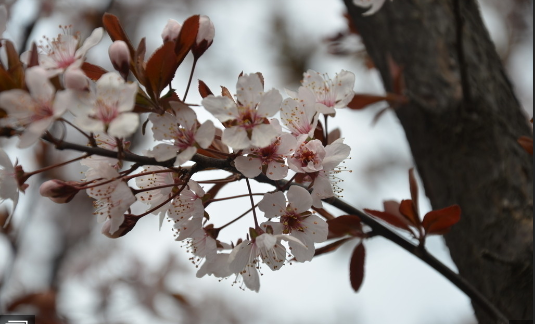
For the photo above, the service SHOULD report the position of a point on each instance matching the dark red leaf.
(406, 208)
(323, 213)
(226, 93)
(356, 267)
(116, 31)
(439, 221)
(399, 222)
(204, 90)
(396, 73)
(34, 57)
(361, 101)
(318, 133)
(344, 225)
(186, 38)
(331, 247)
(14, 64)
(527, 143)
(161, 68)
(94, 72)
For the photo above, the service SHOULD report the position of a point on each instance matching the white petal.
(185, 115)
(17, 103)
(198, 190)
(270, 103)
(249, 89)
(89, 42)
(263, 135)
(124, 125)
(239, 257)
(251, 279)
(287, 145)
(185, 155)
(299, 199)
(62, 102)
(312, 80)
(236, 137)
(273, 204)
(40, 87)
(205, 134)
(33, 132)
(335, 153)
(248, 166)
(316, 228)
(222, 108)
(5, 161)
(163, 152)
(300, 252)
(343, 87)
(277, 170)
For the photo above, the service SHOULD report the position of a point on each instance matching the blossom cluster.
(256, 132)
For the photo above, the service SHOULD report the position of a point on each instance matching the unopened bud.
(205, 36)
(171, 30)
(58, 191)
(127, 225)
(75, 79)
(120, 57)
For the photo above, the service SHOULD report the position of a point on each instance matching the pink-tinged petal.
(127, 97)
(321, 108)
(205, 134)
(163, 126)
(240, 256)
(33, 132)
(236, 137)
(40, 87)
(16, 102)
(251, 279)
(222, 108)
(299, 199)
(185, 155)
(249, 90)
(89, 124)
(287, 144)
(335, 153)
(163, 152)
(90, 41)
(300, 252)
(343, 87)
(124, 125)
(312, 80)
(291, 94)
(248, 166)
(273, 204)
(316, 228)
(262, 135)
(276, 226)
(62, 102)
(198, 190)
(185, 116)
(276, 170)
(269, 104)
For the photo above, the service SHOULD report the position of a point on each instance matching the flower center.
(106, 112)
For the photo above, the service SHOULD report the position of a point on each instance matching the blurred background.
(55, 263)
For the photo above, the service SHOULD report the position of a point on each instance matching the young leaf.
(344, 225)
(15, 68)
(161, 68)
(204, 90)
(391, 219)
(331, 247)
(186, 38)
(323, 213)
(527, 143)
(406, 208)
(116, 31)
(438, 222)
(361, 101)
(34, 57)
(356, 267)
(94, 72)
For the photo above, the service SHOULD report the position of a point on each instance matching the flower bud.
(171, 30)
(127, 225)
(120, 57)
(205, 36)
(75, 79)
(58, 191)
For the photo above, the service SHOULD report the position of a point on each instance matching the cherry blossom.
(187, 206)
(329, 93)
(120, 57)
(64, 51)
(108, 108)
(308, 156)
(269, 159)
(296, 220)
(106, 142)
(113, 198)
(218, 266)
(181, 134)
(35, 110)
(157, 196)
(171, 30)
(247, 119)
(300, 114)
(374, 5)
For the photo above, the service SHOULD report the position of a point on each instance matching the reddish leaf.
(15, 68)
(439, 221)
(399, 222)
(527, 143)
(318, 133)
(414, 190)
(356, 267)
(204, 90)
(116, 31)
(161, 68)
(137, 65)
(34, 57)
(331, 247)
(6, 83)
(186, 38)
(396, 73)
(334, 135)
(94, 72)
(361, 101)
(406, 208)
(226, 93)
(344, 225)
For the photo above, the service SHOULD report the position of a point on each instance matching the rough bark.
(462, 125)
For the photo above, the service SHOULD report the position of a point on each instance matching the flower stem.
(190, 78)
(237, 218)
(252, 204)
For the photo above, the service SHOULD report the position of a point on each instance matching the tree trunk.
(462, 124)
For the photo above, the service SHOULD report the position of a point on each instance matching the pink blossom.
(171, 31)
(300, 114)
(120, 57)
(58, 191)
(308, 156)
(187, 206)
(247, 119)
(180, 133)
(35, 110)
(157, 196)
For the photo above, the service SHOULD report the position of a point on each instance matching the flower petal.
(90, 41)
(263, 135)
(249, 90)
(222, 108)
(236, 137)
(185, 155)
(270, 103)
(273, 204)
(124, 125)
(299, 199)
(163, 152)
(248, 166)
(205, 134)
(33, 132)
